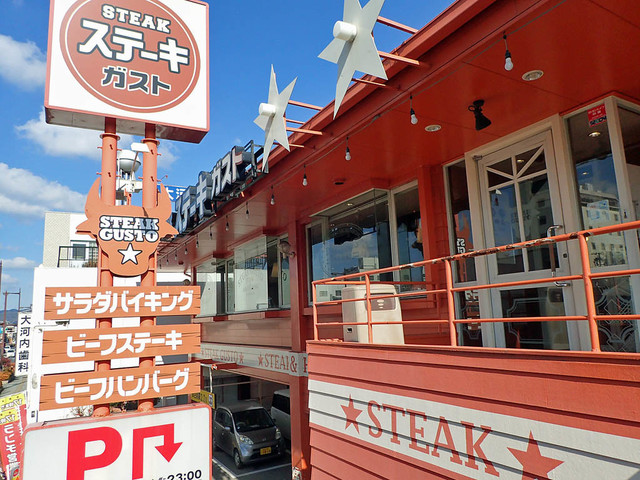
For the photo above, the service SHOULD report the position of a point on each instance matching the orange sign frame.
(65, 346)
(64, 303)
(123, 384)
(127, 234)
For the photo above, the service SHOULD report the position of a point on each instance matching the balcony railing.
(77, 256)
(449, 290)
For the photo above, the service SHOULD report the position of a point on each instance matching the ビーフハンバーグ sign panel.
(136, 60)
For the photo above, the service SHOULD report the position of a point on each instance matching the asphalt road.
(223, 468)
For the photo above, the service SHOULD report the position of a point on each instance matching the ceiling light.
(481, 120)
(519, 160)
(532, 75)
(595, 134)
(432, 128)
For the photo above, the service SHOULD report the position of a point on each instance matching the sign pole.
(108, 195)
(150, 201)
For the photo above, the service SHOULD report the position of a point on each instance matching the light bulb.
(246, 214)
(226, 227)
(414, 119)
(347, 155)
(273, 199)
(508, 63)
(304, 180)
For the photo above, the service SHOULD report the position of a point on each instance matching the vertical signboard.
(23, 350)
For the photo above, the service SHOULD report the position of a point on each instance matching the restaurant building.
(517, 190)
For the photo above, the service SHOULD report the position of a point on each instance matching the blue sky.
(46, 167)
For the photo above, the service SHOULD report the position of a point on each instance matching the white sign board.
(23, 344)
(164, 443)
(139, 61)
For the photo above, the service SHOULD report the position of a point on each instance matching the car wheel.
(237, 460)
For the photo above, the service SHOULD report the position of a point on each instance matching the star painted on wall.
(351, 415)
(534, 465)
(360, 53)
(130, 254)
(274, 126)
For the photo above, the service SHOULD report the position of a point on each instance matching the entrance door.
(520, 201)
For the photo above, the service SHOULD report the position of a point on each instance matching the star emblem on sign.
(351, 414)
(534, 464)
(130, 254)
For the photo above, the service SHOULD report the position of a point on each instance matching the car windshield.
(254, 419)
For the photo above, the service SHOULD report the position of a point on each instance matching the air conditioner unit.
(382, 310)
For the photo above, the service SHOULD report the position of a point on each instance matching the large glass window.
(256, 278)
(461, 221)
(409, 237)
(349, 238)
(597, 187)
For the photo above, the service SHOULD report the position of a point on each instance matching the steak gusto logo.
(136, 55)
(127, 234)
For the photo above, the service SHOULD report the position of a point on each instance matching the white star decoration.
(353, 47)
(271, 118)
(130, 254)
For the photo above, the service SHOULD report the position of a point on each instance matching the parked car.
(246, 431)
(281, 412)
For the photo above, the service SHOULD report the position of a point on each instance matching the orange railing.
(449, 290)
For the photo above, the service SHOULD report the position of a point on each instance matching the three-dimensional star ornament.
(271, 118)
(534, 465)
(351, 414)
(357, 52)
(130, 254)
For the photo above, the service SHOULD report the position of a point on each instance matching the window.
(351, 237)
(409, 236)
(460, 221)
(597, 186)
(256, 278)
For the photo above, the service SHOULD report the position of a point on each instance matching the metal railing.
(77, 256)
(449, 290)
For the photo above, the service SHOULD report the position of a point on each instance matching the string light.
(305, 182)
(508, 63)
(347, 153)
(412, 113)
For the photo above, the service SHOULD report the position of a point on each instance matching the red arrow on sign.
(168, 449)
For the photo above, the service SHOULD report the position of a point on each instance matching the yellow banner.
(204, 397)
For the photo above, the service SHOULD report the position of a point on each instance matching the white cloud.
(8, 279)
(11, 248)
(18, 262)
(23, 194)
(22, 63)
(59, 141)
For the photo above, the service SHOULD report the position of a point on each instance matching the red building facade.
(534, 377)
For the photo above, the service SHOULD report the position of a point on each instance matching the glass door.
(520, 200)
